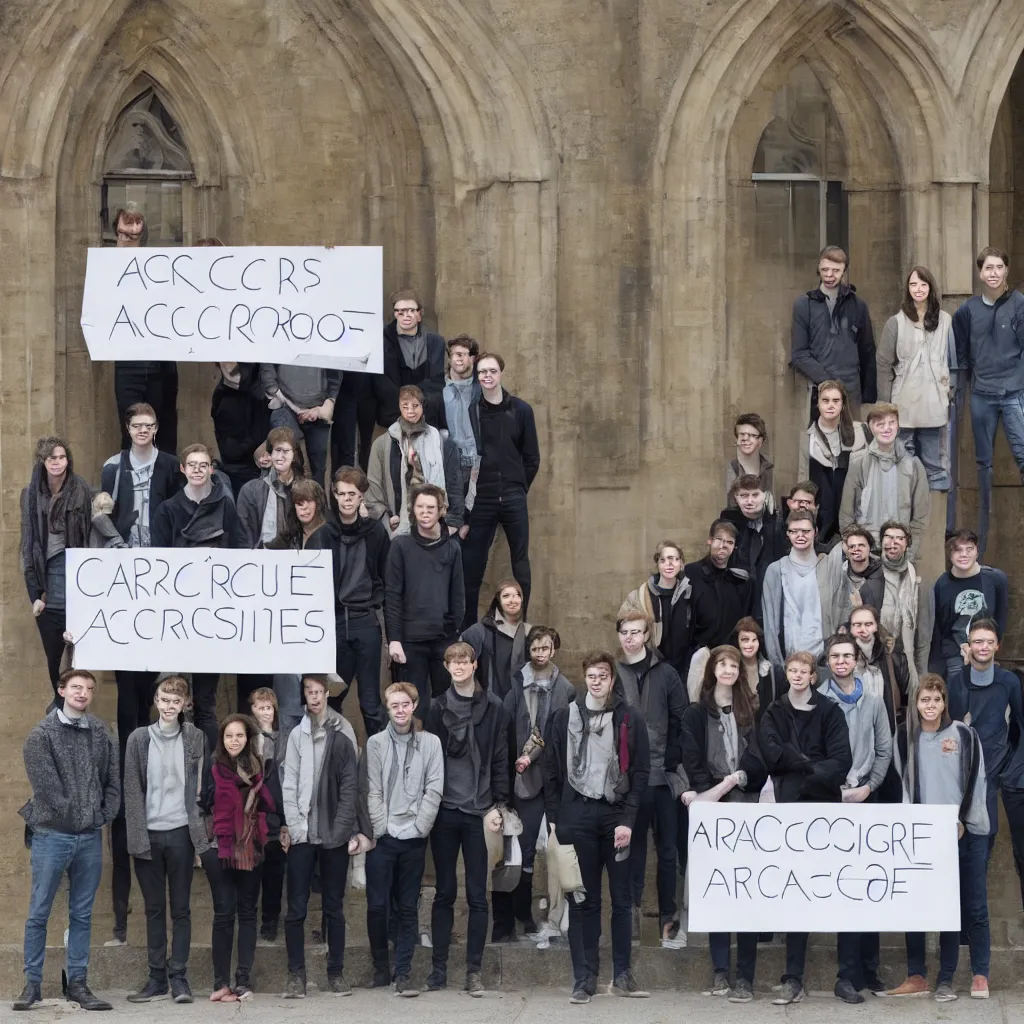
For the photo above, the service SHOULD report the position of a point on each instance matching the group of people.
(802, 658)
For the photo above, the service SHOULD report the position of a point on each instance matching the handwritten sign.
(306, 305)
(823, 867)
(201, 610)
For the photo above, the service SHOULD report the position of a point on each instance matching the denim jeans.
(1013, 804)
(168, 872)
(235, 895)
(394, 870)
(512, 514)
(358, 654)
(986, 411)
(81, 856)
(657, 811)
(317, 436)
(930, 445)
(333, 875)
(746, 953)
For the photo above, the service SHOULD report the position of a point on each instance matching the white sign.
(271, 304)
(823, 867)
(201, 610)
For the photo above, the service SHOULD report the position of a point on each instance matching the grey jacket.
(252, 507)
(423, 773)
(136, 767)
(305, 386)
(73, 772)
(870, 738)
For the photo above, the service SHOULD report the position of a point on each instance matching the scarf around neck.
(847, 698)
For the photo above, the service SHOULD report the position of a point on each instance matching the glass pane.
(787, 228)
(158, 201)
(146, 138)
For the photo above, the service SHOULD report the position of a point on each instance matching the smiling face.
(964, 555)
(510, 600)
(169, 705)
(461, 669)
(930, 706)
(801, 534)
(142, 430)
(197, 469)
(993, 273)
(234, 738)
(727, 671)
(400, 710)
(748, 439)
(918, 289)
(488, 372)
(885, 428)
(748, 643)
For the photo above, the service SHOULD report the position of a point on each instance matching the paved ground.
(542, 1006)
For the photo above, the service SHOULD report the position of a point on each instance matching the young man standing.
(241, 422)
(832, 336)
(885, 481)
(857, 572)
(163, 767)
(871, 748)
(461, 391)
(988, 346)
(424, 597)
(665, 599)
(751, 433)
(654, 686)
(401, 813)
(473, 727)
(596, 762)
(320, 792)
(360, 568)
(720, 596)
(72, 768)
(506, 443)
(906, 608)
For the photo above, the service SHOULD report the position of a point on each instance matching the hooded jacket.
(506, 442)
(360, 554)
(720, 598)
(673, 644)
(837, 346)
(989, 344)
(425, 596)
(756, 549)
(499, 656)
(252, 509)
(116, 475)
(428, 377)
(241, 418)
(913, 502)
(807, 753)
(180, 523)
(703, 748)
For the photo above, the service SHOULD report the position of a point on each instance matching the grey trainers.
(790, 991)
(474, 984)
(720, 985)
(579, 995)
(296, 988)
(944, 993)
(742, 991)
(625, 985)
(337, 984)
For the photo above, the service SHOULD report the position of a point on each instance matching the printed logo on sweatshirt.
(950, 746)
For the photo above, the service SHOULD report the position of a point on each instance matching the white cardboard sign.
(823, 867)
(201, 610)
(273, 304)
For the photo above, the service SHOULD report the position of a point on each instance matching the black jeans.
(204, 706)
(394, 870)
(168, 872)
(358, 654)
(235, 894)
(657, 810)
(857, 954)
(356, 408)
(120, 874)
(135, 692)
(135, 382)
(275, 862)
(1013, 804)
(454, 831)
(590, 828)
(511, 513)
(51, 625)
(746, 953)
(424, 668)
(302, 859)
(796, 956)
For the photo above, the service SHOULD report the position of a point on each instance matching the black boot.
(30, 995)
(78, 992)
(522, 903)
(504, 927)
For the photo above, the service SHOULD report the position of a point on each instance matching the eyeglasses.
(488, 373)
(142, 426)
(748, 437)
(282, 451)
(632, 633)
(197, 465)
(407, 312)
(799, 533)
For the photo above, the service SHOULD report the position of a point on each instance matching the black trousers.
(424, 668)
(121, 874)
(657, 812)
(746, 953)
(51, 624)
(204, 705)
(235, 895)
(275, 863)
(135, 692)
(509, 907)
(302, 859)
(167, 874)
(1013, 804)
(394, 871)
(857, 954)
(356, 408)
(137, 382)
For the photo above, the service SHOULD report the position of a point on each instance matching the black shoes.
(437, 980)
(336, 983)
(625, 985)
(381, 977)
(404, 987)
(30, 995)
(152, 990)
(296, 986)
(78, 992)
(181, 992)
(844, 990)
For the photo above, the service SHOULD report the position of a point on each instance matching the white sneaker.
(425, 940)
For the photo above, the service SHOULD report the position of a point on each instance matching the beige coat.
(913, 370)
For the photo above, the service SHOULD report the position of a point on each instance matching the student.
(988, 352)
(164, 764)
(202, 515)
(871, 496)
(308, 526)
(245, 807)
(805, 744)
(906, 608)
(832, 336)
(720, 596)
(722, 762)
(461, 391)
(302, 399)
(409, 453)
(473, 728)
(765, 681)
(72, 769)
(654, 686)
(832, 438)
(871, 747)
(499, 639)
(750, 433)
(917, 372)
(537, 692)
(798, 600)
(946, 766)
(965, 592)
(356, 410)
(319, 790)
(271, 746)
(506, 443)
(665, 599)
(265, 504)
(424, 597)
(241, 422)
(56, 513)
(860, 578)
(596, 762)
(411, 356)
(404, 784)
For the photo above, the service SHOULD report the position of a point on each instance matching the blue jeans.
(317, 436)
(81, 856)
(930, 445)
(986, 411)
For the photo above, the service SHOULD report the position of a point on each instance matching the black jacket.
(720, 598)
(756, 550)
(698, 721)
(560, 799)
(424, 593)
(872, 588)
(506, 441)
(498, 655)
(241, 418)
(180, 523)
(840, 346)
(807, 753)
(360, 553)
(166, 480)
(428, 377)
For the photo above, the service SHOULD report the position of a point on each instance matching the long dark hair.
(248, 761)
(845, 416)
(883, 640)
(744, 705)
(72, 505)
(932, 306)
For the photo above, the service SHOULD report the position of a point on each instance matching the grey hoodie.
(870, 739)
(403, 797)
(304, 386)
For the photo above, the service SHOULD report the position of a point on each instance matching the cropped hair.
(71, 673)
(750, 419)
(406, 295)
(880, 409)
(352, 475)
(174, 686)
(194, 449)
(990, 624)
(460, 651)
(797, 516)
(803, 658)
(140, 409)
(411, 391)
(991, 250)
(491, 355)
(463, 341)
(836, 254)
(630, 612)
(539, 632)
(599, 658)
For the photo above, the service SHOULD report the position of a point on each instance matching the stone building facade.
(622, 197)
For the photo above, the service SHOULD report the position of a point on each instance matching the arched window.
(146, 164)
